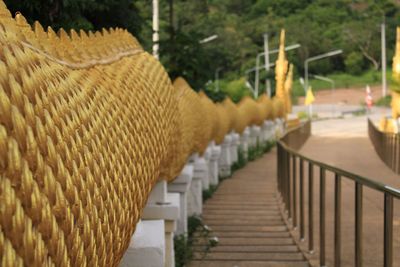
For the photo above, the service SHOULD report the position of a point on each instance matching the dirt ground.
(349, 96)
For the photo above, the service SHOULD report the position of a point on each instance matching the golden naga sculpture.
(396, 79)
(281, 68)
(83, 139)
(288, 90)
(265, 107)
(89, 122)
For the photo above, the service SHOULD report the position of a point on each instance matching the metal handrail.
(387, 146)
(292, 193)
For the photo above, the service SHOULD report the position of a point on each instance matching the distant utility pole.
(267, 66)
(217, 79)
(383, 44)
(156, 28)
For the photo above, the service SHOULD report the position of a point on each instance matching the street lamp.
(258, 58)
(248, 85)
(383, 57)
(332, 82)
(208, 39)
(262, 67)
(156, 28)
(308, 60)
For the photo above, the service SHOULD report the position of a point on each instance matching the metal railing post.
(338, 200)
(285, 179)
(358, 224)
(388, 151)
(386, 146)
(322, 189)
(279, 170)
(294, 195)
(310, 207)
(388, 231)
(301, 199)
(289, 187)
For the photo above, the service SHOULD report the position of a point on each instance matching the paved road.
(344, 143)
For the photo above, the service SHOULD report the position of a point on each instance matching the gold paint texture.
(395, 104)
(89, 122)
(281, 68)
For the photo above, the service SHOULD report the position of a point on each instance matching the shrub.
(354, 63)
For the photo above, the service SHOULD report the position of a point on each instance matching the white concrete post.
(279, 128)
(204, 168)
(234, 147)
(181, 185)
(195, 196)
(269, 133)
(264, 132)
(201, 171)
(213, 164)
(224, 162)
(147, 245)
(244, 143)
(254, 135)
(164, 206)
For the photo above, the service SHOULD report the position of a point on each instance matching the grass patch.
(384, 101)
(360, 112)
(183, 250)
(269, 145)
(241, 161)
(209, 192)
(302, 115)
(257, 151)
(183, 244)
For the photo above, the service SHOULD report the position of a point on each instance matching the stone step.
(224, 228)
(252, 221)
(239, 204)
(228, 217)
(232, 214)
(238, 201)
(273, 256)
(249, 248)
(243, 212)
(246, 198)
(250, 193)
(244, 241)
(271, 206)
(249, 234)
(247, 263)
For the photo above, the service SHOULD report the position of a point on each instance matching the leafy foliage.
(318, 25)
(354, 63)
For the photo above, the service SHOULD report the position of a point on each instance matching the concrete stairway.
(244, 215)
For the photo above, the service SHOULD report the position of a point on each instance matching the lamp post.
(332, 82)
(259, 55)
(267, 65)
(208, 39)
(248, 85)
(156, 28)
(383, 51)
(308, 60)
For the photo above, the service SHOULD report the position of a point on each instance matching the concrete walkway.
(344, 143)
(244, 214)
